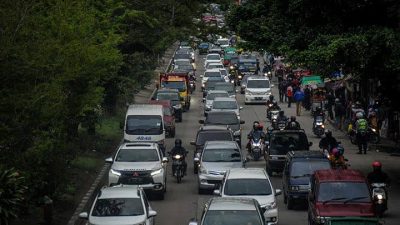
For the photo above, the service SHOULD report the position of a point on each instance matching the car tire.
(290, 202)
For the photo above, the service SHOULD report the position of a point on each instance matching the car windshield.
(180, 85)
(211, 96)
(221, 155)
(167, 111)
(213, 57)
(232, 217)
(204, 136)
(344, 192)
(234, 60)
(182, 62)
(307, 168)
(225, 105)
(281, 143)
(222, 119)
(144, 125)
(225, 87)
(137, 155)
(107, 207)
(182, 56)
(247, 187)
(168, 96)
(257, 83)
(215, 66)
(185, 67)
(248, 64)
(212, 74)
(203, 45)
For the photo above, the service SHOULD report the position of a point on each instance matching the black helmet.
(178, 142)
(292, 118)
(256, 124)
(271, 97)
(275, 103)
(281, 113)
(328, 133)
(318, 108)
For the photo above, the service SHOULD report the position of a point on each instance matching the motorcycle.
(281, 125)
(319, 127)
(269, 111)
(256, 145)
(177, 164)
(337, 162)
(274, 118)
(379, 197)
(372, 134)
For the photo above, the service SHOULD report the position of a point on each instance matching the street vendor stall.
(318, 91)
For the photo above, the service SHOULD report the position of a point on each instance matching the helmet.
(335, 152)
(328, 133)
(377, 165)
(318, 108)
(178, 142)
(292, 118)
(255, 124)
(275, 103)
(271, 97)
(281, 113)
(359, 115)
(337, 100)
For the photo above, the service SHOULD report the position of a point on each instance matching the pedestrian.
(330, 103)
(298, 97)
(340, 112)
(361, 133)
(289, 94)
(281, 90)
(307, 98)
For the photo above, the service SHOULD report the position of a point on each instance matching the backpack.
(289, 92)
(362, 126)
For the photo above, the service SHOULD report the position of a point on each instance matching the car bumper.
(157, 185)
(271, 216)
(208, 181)
(256, 98)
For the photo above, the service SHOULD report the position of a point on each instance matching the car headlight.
(269, 72)
(115, 172)
(294, 188)
(373, 129)
(208, 107)
(248, 92)
(232, 81)
(380, 197)
(236, 133)
(269, 206)
(319, 123)
(265, 74)
(322, 219)
(231, 67)
(240, 76)
(155, 172)
(203, 84)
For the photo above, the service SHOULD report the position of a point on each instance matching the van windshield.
(144, 125)
(257, 83)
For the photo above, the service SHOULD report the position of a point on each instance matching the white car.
(209, 99)
(209, 73)
(214, 57)
(120, 205)
(224, 74)
(213, 65)
(141, 164)
(257, 90)
(223, 42)
(226, 104)
(252, 183)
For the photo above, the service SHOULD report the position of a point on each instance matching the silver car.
(216, 159)
(139, 164)
(231, 211)
(209, 99)
(120, 205)
(252, 183)
(226, 104)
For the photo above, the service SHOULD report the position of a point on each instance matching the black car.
(279, 143)
(173, 96)
(225, 118)
(203, 48)
(299, 166)
(209, 133)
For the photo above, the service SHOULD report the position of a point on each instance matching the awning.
(311, 80)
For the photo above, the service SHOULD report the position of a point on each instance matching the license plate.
(134, 180)
(259, 98)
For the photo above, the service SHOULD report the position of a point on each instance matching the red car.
(169, 116)
(338, 193)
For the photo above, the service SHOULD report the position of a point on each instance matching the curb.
(94, 188)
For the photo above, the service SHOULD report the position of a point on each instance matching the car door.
(149, 221)
(312, 198)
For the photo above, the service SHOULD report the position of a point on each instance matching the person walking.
(307, 98)
(289, 94)
(329, 106)
(340, 112)
(298, 97)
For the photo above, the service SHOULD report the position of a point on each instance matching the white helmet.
(359, 115)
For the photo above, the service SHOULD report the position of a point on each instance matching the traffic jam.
(248, 137)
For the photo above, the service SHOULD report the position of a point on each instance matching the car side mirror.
(241, 107)
(242, 122)
(109, 160)
(152, 213)
(217, 192)
(310, 143)
(272, 85)
(83, 215)
(196, 159)
(193, 143)
(204, 99)
(278, 192)
(193, 222)
(164, 159)
(201, 76)
(201, 121)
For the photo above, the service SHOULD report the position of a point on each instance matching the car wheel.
(289, 201)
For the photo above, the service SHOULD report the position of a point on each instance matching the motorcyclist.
(292, 124)
(179, 150)
(256, 128)
(275, 106)
(377, 175)
(361, 133)
(337, 159)
(270, 101)
(328, 142)
(281, 116)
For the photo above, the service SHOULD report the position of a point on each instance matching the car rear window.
(235, 187)
(281, 143)
(307, 167)
(107, 207)
(204, 136)
(346, 192)
(232, 217)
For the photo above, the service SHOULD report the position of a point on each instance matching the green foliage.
(12, 191)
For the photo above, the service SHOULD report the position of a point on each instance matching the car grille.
(214, 181)
(135, 177)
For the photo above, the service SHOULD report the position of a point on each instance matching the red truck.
(180, 81)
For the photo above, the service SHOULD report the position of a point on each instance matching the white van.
(144, 123)
(258, 89)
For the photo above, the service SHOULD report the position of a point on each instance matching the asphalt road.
(182, 201)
